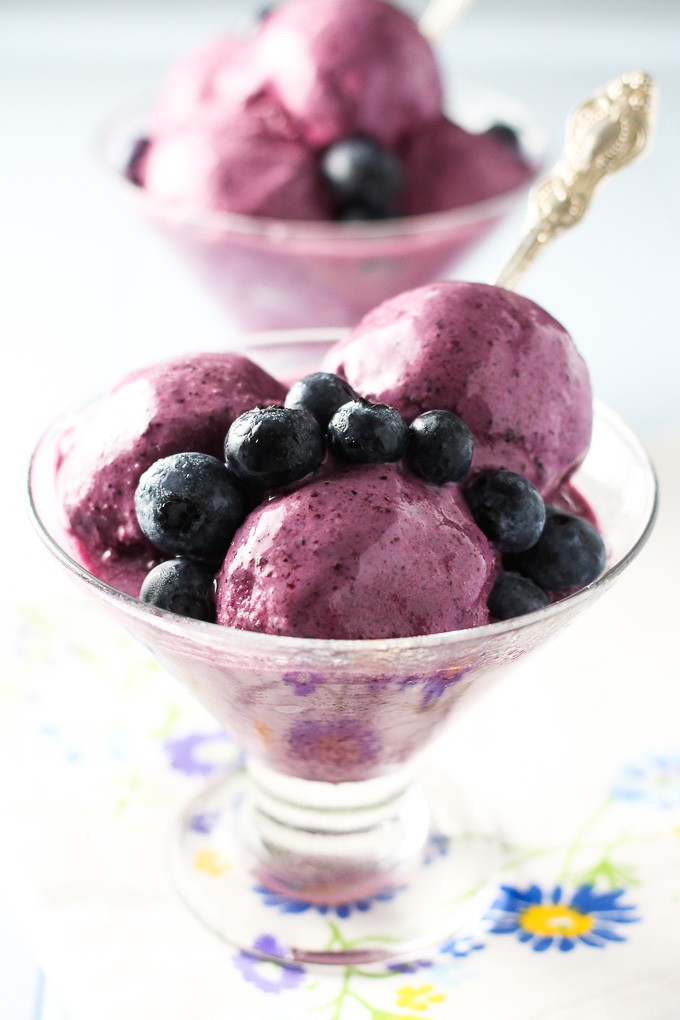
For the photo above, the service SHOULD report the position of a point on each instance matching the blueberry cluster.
(437, 446)
(189, 505)
(545, 549)
(270, 447)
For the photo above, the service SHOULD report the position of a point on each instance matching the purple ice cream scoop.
(241, 124)
(495, 358)
(446, 167)
(186, 404)
(246, 161)
(358, 552)
(349, 66)
(192, 86)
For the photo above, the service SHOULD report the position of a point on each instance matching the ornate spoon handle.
(439, 15)
(603, 134)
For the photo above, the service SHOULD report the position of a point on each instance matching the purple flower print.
(436, 686)
(338, 742)
(203, 822)
(433, 687)
(187, 753)
(408, 966)
(265, 975)
(303, 683)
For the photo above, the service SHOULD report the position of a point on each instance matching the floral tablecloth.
(577, 752)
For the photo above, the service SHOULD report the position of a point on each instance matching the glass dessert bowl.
(284, 273)
(332, 811)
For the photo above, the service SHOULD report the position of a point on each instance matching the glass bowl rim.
(216, 635)
(277, 230)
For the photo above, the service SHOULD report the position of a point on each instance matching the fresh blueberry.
(320, 393)
(364, 433)
(507, 509)
(569, 553)
(188, 505)
(513, 595)
(272, 446)
(133, 166)
(439, 447)
(505, 133)
(362, 212)
(181, 586)
(363, 175)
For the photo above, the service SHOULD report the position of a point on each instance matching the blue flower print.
(655, 781)
(290, 905)
(543, 920)
(460, 946)
(438, 845)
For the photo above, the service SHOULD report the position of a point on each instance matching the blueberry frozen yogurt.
(328, 110)
(417, 484)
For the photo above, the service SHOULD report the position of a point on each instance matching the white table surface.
(86, 294)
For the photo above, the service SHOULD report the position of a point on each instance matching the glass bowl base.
(439, 898)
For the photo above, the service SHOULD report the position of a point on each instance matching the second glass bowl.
(274, 273)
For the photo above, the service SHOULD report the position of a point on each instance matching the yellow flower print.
(418, 998)
(555, 919)
(210, 862)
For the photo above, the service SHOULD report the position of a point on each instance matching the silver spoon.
(605, 133)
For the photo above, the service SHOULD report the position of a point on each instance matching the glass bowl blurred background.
(275, 274)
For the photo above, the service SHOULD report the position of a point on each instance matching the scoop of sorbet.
(469, 167)
(358, 552)
(349, 66)
(244, 161)
(192, 85)
(186, 404)
(495, 358)
(242, 125)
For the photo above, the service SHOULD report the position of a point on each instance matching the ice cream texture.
(359, 552)
(343, 67)
(495, 358)
(242, 166)
(352, 551)
(185, 404)
(240, 125)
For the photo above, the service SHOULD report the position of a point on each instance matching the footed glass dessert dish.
(332, 812)
(278, 273)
